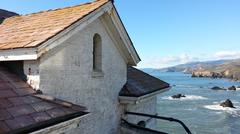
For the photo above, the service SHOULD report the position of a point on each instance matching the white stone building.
(80, 54)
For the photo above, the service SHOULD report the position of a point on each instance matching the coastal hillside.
(229, 69)
(6, 14)
(215, 69)
(191, 66)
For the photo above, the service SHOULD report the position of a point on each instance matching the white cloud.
(170, 60)
(227, 55)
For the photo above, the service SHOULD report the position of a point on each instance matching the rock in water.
(227, 103)
(178, 96)
(232, 88)
(217, 88)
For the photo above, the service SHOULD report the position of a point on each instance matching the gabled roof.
(32, 30)
(140, 84)
(23, 111)
(27, 37)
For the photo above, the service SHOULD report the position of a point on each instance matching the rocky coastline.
(211, 74)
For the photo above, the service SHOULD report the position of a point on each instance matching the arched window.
(97, 53)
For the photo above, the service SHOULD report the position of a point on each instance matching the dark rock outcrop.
(227, 103)
(208, 74)
(232, 88)
(218, 88)
(178, 96)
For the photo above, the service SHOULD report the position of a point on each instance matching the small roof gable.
(140, 84)
(24, 111)
(26, 31)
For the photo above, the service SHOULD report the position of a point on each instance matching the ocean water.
(200, 110)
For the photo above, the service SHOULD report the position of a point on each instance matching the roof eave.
(62, 124)
(18, 54)
(137, 100)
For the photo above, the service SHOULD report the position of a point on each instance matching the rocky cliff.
(230, 69)
(214, 69)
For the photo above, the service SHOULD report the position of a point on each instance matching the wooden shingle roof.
(27, 31)
(140, 83)
(23, 111)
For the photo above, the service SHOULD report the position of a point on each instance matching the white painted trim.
(73, 29)
(113, 37)
(61, 127)
(136, 100)
(78, 26)
(125, 37)
(18, 54)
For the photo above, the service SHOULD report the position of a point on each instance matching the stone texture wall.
(66, 73)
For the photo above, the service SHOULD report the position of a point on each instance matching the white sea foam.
(233, 111)
(219, 108)
(188, 97)
(191, 109)
(237, 88)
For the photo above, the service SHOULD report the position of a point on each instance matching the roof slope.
(34, 29)
(140, 83)
(22, 110)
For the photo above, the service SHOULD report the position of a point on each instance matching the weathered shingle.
(20, 106)
(140, 83)
(31, 30)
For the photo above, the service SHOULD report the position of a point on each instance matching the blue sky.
(167, 32)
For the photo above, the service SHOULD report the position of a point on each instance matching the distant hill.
(214, 69)
(229, 69)
(6, 14)
(189, 67)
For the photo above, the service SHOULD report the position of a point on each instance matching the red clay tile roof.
(22, 110)
(140, 83)
(34, 29)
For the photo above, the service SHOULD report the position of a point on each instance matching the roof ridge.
(56, 9)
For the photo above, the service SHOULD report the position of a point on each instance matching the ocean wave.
(191, 109)
(233, 111)
(188, 97)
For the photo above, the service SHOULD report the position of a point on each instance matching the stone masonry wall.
(66, 73)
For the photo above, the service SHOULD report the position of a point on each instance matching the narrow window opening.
(97, 53)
